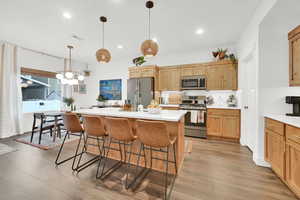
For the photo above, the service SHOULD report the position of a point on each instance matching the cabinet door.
(231, 127)
(134, 72)
(295, 61)
(163, 80)
(186, 71)
(199, 70)
(276, 152)
(293, 166)
(174, 79)
(229, 78)
(214, 78)
(214, 125)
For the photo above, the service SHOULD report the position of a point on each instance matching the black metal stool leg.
(166, 173)
(102, 155)
(128, 165)
(79, 167)
(175, 161)
(60, 149)
(76, 152)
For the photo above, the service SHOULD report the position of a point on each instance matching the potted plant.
(222, 53)
(139, 61)
(69, 102)
(101, 100)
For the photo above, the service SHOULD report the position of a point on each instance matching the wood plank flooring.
(214, 171)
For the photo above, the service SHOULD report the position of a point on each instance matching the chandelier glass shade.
(149, 47)
(68, 76)
(103, 55)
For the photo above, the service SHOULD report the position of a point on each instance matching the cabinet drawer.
(293, 133)
(223, 112)
(274, 126)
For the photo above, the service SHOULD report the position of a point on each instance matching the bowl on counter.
(154, 110)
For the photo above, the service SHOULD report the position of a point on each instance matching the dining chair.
(43, 125)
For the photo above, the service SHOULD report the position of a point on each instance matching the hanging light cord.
(103, 35)
(149, 24)
(70, 61)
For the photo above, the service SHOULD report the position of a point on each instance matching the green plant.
(68, 101)
(139, 60)
(232, 57)
(101, 98)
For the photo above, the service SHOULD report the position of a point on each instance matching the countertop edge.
(292, 121)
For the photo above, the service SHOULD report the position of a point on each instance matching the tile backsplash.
(220, 97)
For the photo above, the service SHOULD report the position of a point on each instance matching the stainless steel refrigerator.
(140, 91)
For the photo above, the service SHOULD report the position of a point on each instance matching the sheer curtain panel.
(10, 91)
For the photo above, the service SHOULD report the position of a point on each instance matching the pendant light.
(68, 76)
(103, 55)
(149, 47)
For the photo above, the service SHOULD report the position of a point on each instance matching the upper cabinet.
(294, 52)
(222, 76)
(139, 72)
(169, 78)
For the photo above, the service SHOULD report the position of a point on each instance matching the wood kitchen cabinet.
(169, 78)
(223, 123)
(222, 76)
(275, 146)
(293, 158)
(294, 57)
(193, 70)
(140, 72)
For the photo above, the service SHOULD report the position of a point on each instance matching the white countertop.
(169, 105)
(223, 107)
(293, 121)
(165, 115)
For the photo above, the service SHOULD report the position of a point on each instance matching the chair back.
(119, 129)
(153, 133)
(94, 126)
(72, 123)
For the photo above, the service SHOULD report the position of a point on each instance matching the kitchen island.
(174, 120)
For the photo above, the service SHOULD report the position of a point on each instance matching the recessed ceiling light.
(120, 46)
(199, 31)
(155, 40)
(67, 15)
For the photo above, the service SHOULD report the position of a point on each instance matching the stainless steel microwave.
(193, 83)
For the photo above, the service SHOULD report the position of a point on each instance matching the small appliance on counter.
(296, 105)
(232, 101)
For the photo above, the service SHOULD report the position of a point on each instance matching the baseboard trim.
(261, 162)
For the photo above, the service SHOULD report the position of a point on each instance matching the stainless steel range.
(195, 118)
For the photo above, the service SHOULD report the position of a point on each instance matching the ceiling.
(40, 25)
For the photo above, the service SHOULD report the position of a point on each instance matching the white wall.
(274, 60)
(247, 45)
(39, 61)
(119, 70)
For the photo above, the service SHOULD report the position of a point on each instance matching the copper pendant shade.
(103, 55)
(149, 47)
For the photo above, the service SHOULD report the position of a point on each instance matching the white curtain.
(10, 92)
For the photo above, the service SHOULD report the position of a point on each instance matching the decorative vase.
(222, 55)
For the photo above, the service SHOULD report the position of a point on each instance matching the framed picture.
(111, 89)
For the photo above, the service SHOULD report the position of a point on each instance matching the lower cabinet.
(282, 151)
(223, 123)
(275, 152)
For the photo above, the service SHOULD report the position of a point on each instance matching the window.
(41, 91)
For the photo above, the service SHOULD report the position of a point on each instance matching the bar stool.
(157, 136)
(94, 129)
(120, 131)
(73, 127)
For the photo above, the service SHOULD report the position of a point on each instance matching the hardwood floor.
(214, 171)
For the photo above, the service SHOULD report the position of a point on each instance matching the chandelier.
(68, 76)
